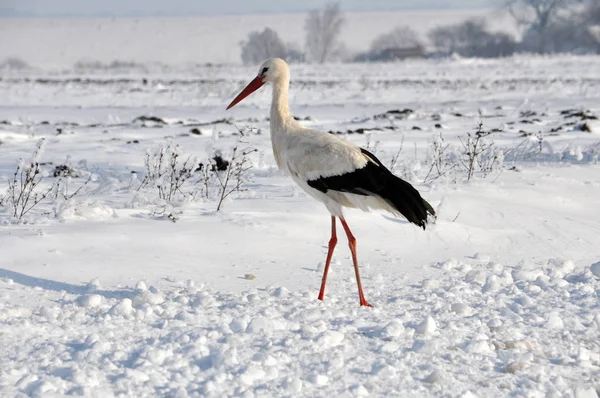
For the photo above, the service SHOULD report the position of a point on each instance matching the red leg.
(332, 243)
(352, 244)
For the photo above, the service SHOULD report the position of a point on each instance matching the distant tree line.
(548, 26)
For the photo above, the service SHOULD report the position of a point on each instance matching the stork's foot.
(364, 303)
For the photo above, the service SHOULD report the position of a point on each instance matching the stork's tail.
(397, 193)
(403, 197)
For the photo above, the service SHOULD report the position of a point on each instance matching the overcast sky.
(213, 7)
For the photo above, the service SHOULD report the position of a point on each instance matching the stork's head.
(272, 70)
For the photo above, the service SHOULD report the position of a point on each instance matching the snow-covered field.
(100, 296)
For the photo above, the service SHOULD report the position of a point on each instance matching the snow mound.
(84, 210)
(15, 137)
(89, 301)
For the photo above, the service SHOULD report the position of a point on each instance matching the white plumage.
(330, 169)
(306, 154)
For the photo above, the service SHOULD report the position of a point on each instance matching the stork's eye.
(264, 71)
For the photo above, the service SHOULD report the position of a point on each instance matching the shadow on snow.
(48, 284)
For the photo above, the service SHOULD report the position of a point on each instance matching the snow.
(100, 296)
(393, 329)
(428, 326)
(461, 309)
(89, 300)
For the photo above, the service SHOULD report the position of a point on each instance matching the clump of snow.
(492, 283)
(238, 325)
(259, 324)
(281, 292)
(477, 276)
(84, 210)
(430, 284)
(461, 309)
(393, 329)
(495, 324)
(89, 300)
(330, 338)
(319, 379)
(554, 321)
(516, 366)
(479, 345)
(428, 326)
(390, 347)
(449, 264)
(122, 308)
(293, 385)
(93, 285)
(251, 375)
(360, 391)
(14, 312)
(559, 269)
(388, 372)
(50, 312)
(435, 377)
(523, 274)
(149, 297)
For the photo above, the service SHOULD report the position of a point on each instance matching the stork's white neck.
(283, 124)
(280, 109)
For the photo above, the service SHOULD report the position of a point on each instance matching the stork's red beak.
(250, 88)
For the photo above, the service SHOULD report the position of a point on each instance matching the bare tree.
(592, 12)
(558, 25)
(591, 17)
(400, 43)
(538, 13)
(400, 37)
(322, 30)
(571, 36)
(261, 46)
(538, 17)
(471, 39)
(457, 38)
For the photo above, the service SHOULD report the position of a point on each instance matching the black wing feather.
(376, 179)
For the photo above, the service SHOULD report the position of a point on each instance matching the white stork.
(332, 170)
